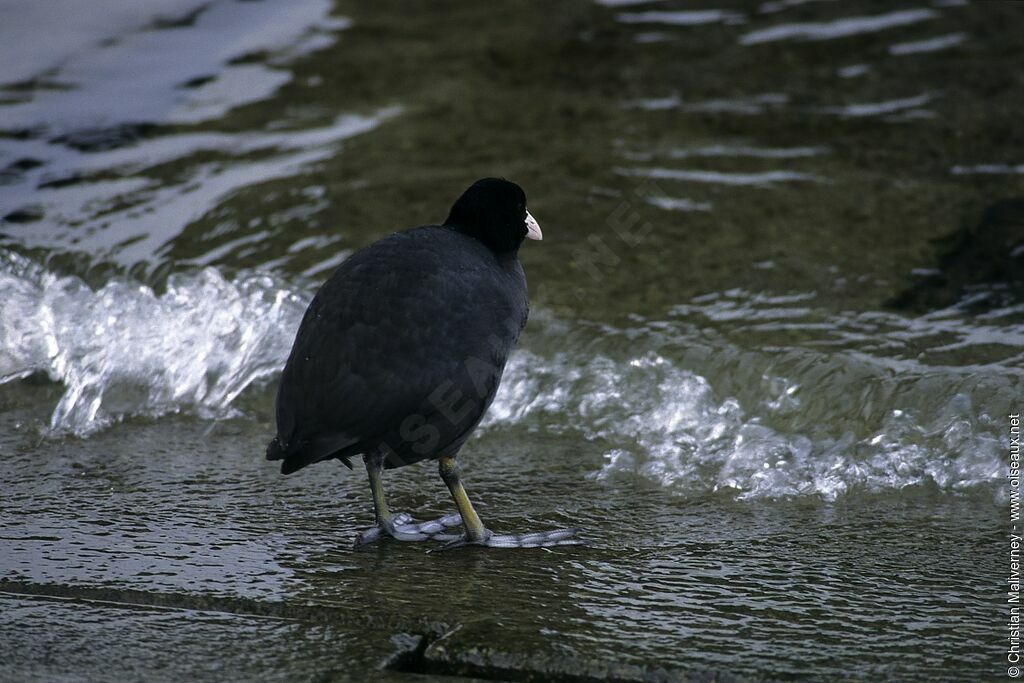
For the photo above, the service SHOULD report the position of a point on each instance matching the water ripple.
(839, 28)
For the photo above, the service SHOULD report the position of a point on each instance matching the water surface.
(780, 472)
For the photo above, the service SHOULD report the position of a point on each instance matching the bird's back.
(402, 349)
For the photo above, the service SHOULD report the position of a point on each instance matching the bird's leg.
(374, 470)
(399, 526)
(477, 534)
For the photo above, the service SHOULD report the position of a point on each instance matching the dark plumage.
(401, 352)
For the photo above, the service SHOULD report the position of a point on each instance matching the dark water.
(788, 450)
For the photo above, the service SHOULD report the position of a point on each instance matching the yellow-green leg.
(478, 534)
(374, 469)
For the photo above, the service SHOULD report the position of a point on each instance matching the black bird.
(401, 352)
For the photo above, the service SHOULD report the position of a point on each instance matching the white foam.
(125, 350)
(861, 405)
(658, 421)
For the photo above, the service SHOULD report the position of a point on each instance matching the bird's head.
(493, 210)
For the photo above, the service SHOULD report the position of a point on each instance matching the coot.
(401, 352)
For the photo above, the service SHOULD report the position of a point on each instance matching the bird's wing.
(397, 324)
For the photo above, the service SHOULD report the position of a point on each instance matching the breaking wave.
(782, 437)
(678, 403)
(123, 349)
(827, 405)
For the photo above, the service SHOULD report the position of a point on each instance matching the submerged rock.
(474, 653)
(978, 268)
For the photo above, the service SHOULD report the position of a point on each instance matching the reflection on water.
(155, 61)
(130, 219)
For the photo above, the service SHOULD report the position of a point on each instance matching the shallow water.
(780, 473)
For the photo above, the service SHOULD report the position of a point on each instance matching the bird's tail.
(298, 458)
(275, 451)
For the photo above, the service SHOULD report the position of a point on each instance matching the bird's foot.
(402, 527)
(536, 539)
